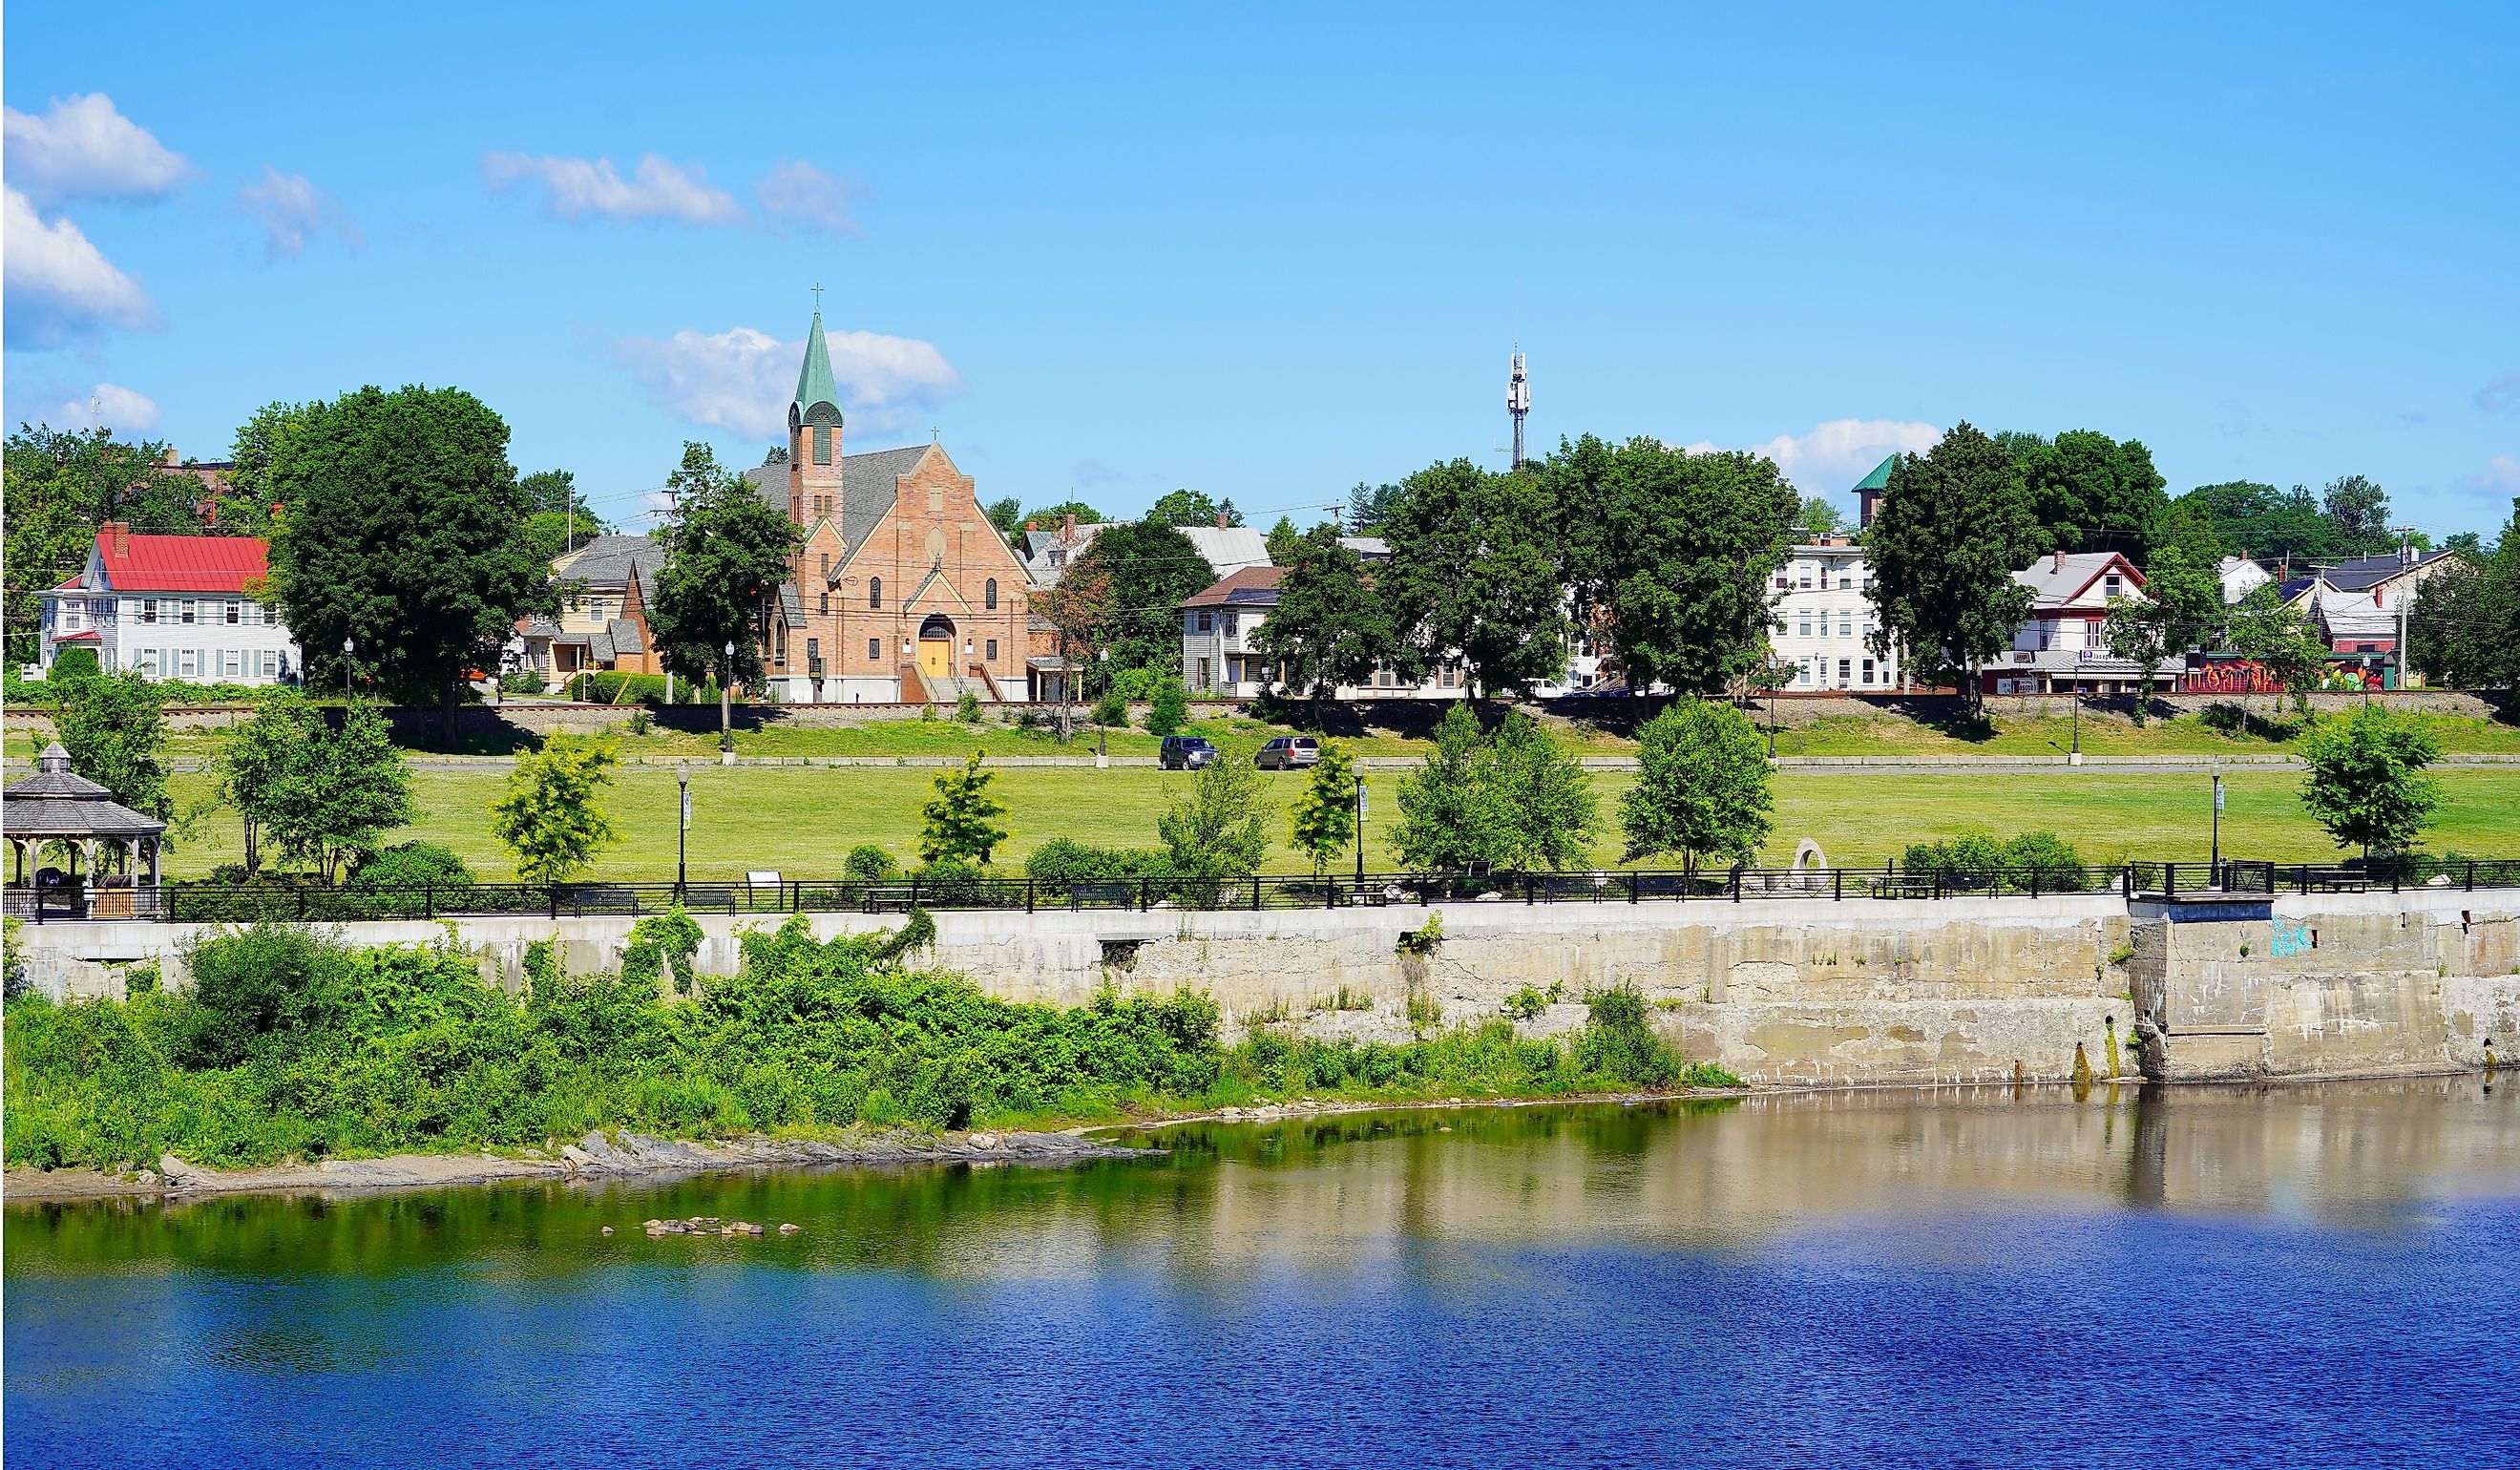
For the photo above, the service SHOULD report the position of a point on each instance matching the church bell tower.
(814, 434)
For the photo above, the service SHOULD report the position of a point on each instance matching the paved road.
(1825, 765)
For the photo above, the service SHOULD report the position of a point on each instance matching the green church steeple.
(815, 386)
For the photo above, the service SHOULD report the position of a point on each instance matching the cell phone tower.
(1517, 401)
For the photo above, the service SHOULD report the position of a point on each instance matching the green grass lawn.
(803, 820)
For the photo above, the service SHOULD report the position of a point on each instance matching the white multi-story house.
(1823, 621)
(172, 608)
(1221, 654)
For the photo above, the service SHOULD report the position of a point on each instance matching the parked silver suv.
(1287, 753)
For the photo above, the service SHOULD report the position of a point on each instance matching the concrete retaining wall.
(1779, 990)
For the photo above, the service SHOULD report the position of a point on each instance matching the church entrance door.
(936, 648)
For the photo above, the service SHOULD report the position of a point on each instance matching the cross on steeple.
(817, 297)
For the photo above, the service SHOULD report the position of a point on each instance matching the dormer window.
(2113, 586)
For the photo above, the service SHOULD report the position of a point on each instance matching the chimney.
(166, 458)
(121, 533)
(1219, 521)
(2060, 561)
(1067, 526)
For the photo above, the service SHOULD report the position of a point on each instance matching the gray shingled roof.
(57, 802)
(2363, 572)
(791, 606)
(624, 635)
(869, 484)
(607, 562)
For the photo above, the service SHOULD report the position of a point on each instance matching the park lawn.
(802, 820)
(2111, 734)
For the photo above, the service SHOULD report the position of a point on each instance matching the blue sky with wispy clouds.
(1272, 251)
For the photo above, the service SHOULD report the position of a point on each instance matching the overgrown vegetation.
(290, 1045)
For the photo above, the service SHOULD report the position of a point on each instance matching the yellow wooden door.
(936, 657)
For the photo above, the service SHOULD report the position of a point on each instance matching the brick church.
(904, 591)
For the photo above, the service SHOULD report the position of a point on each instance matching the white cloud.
(742, 379)
(293, 212)
(801, 194)
(1834, 455)
(82, 149)
(60, 287)
(108, 405)
(658, 189)
(2501, 394)
(2499, 477)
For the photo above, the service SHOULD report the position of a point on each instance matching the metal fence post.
(1528, 897)
(1837, 879)
(1144, 904)
(429, 900)
(2471, 874)
(1634, 887)
(914, 890)
(1255, 893)
(1027, 895)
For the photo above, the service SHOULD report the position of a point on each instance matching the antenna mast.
(1517, 401)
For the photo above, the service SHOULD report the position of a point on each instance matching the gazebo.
(55, 805)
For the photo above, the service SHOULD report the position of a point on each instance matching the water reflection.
(1351, 1191)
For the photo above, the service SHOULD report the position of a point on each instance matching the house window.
(232, 663)
(192, 610)
(271, 663)
(782, 643)
(73, 613)
(1205, 623)
(989, 596)
(875, 591)
(235, 611)
(1867, 671)
(875, 650)
(2112, 585)
(188, 662)
(826, 566)
(1842, 672)
(1233, 624)
(821, 444)
(827, 602)
(1845, 583)
(1805, 626)
(1845, 624)
(1204, 681)
(993, 650)
(149, 662)
(935, 502)
(1802, 579)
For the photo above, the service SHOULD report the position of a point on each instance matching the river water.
(2302, 1275)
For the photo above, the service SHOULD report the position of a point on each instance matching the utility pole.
(683, 833)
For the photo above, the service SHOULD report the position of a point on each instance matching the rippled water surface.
(2299, 1275)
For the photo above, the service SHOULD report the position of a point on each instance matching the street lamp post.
(1359, 832)
(346, 647)
(682, 831)
(2216, 865)
(725, 707)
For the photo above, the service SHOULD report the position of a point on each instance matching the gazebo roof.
(56, 802)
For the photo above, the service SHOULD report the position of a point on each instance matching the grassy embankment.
(289, 1047)
(803, 820)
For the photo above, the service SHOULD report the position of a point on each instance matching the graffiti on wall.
(2293, 939)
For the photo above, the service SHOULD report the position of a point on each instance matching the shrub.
(870, 863)
(259, 988)
(74, 663)
(1170, 709)
(2049, 858)
(1062, 860)
(410, 865)
(951, 880)
(523, 681)
(1110, 711)
(967, 708)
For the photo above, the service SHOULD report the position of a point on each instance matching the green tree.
(1324, 815)
(2092, 493)
(1542, 799)
(1143, 569)
(1169, 710)
(59, 488)
(1329, 627)
(112, 727)
(1448, 816)
(2263, 630)
(1475, 575)
(2360, 510)
(1218, 829)
(247, 505)
(1048, 518)
(1949, 532)
(2366, 783)
(1701, 786)
(551, 817)
(1678, 548)
(2180, 607)
(1820, 516)
(557, 516)
(1369, 508)
(404, 530)
(1007, 516)
(345, 788)
(259, 755)
(1190, 508)
(2259, 521)
(1285, 542)
(961, 819)
(2188, 529)
(726, 553)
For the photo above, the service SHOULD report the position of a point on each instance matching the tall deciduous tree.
(551, 817)
(2180, 607)
(557, 516)
(2272, 636)
(1701, 786)
(1218, 830)
(333, 798)
(1678, 548)
(403, 530)
(1285, 542)
(726, 553)
(2092, 493)
(1324, 815)
(111, 725)
(2366, 783)
(1192, 507)
(1475, 575)
(261, 753)
(1149, 568)
(2359, 510)
(1447, 819)
(1329, 628)
(1542, 799)
(1949, 530)
(2464, 629)
(961, 819)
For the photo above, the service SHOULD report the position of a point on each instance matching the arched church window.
(989, 596)
(875, 591)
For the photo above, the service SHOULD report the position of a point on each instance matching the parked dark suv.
(1186, 753)
(1288, 752)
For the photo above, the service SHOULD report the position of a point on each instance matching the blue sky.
(1109, 252)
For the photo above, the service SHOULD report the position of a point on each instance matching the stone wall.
(1802, 991)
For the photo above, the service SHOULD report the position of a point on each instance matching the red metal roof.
(180, 563)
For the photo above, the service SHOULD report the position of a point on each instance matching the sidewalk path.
(1842, 765)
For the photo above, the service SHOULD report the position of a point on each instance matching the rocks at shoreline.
(627, 1153)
